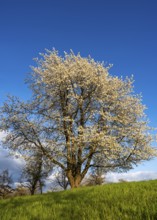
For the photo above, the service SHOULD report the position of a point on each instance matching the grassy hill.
(136, 200)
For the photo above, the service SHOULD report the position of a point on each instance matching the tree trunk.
(74, 181)
(40, 187)
(32, 189)
(32, 192)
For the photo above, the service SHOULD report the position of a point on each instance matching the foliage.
(21, 190)
(79, 117)
(124, 201)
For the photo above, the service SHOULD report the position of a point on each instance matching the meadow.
(118, 201)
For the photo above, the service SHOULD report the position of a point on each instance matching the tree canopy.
(79, 117)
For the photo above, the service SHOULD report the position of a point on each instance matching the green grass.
(136, 200)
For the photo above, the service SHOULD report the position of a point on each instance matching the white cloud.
(9, 162)
(14, 165)
(2, 135)
(131, 176)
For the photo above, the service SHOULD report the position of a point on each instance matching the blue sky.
(123, 33)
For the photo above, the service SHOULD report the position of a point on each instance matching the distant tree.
(79, 116)
(96, 177)
(60, 180)
(5, 184)
(34, 174)
(122, 180)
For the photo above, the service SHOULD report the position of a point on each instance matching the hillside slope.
(136, 200)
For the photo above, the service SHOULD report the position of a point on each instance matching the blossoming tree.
(79, 117)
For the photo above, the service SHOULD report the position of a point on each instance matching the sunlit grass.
(136, 200)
